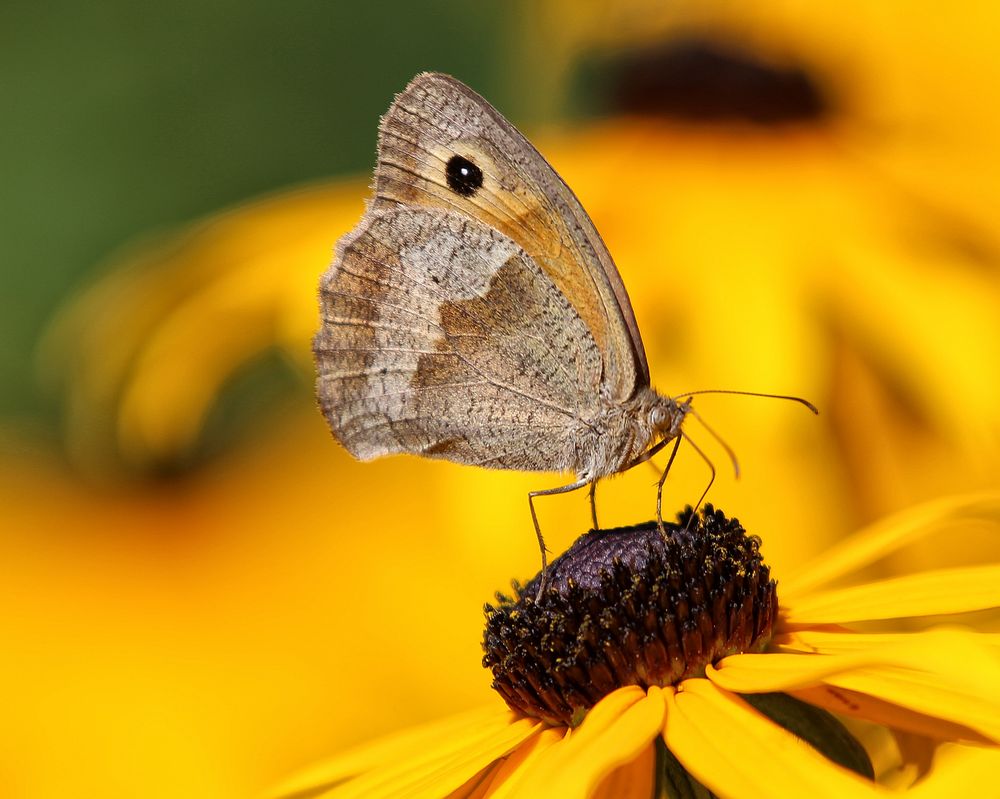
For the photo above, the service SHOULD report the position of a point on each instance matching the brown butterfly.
(475, 315)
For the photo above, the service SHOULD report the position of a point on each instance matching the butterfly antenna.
(717, 437)
(711, 480)
(799, 400)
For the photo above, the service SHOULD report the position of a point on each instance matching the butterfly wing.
(440, 336)
(436, 118)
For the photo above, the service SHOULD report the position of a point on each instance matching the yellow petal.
(461, 745)
(736, 752)
(960, 771)
(951, 653)
(946, 674)
(775, 671)
(522, 758)
(636, 779)
(823, 642)
(152, 342)
(891, 534)
(616, 731)
(930, 593)
(871, 708)
(479, 786)
(970, 703)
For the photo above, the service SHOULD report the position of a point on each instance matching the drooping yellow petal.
(960, 771)
(946, 674)
(522, 758)
(930, 593)
(439, 769)
(879, 711)
(634, 780)
(775, 671)
(947, 652)
(888, 535)
(465, 743)
(823, 642)
(971, 702)
(736, 752)
(616, 731)
(479, 786)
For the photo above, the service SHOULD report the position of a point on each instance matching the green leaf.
(816, 727)
(673, 780)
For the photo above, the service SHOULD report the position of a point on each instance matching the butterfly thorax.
(622, 432)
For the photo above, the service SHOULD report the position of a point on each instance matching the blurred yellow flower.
(939, 684)
(147, 350)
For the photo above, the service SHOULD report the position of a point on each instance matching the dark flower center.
(630, 607)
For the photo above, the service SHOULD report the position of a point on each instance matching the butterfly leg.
(710, 479)
(643, 458)
(593, 503)
(659, 485)
(538, 530)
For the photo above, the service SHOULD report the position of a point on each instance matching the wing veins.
(431, 127)
(442, 299)
(418, 389)
(494, 382)
(496, 200)
(569, 199)
(501, 210)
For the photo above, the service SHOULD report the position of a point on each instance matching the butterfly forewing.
(437, 118)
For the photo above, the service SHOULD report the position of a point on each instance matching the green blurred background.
(123, 119)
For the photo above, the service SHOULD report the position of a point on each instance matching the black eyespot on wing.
(464, 177)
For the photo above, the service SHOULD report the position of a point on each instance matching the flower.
(937, 686)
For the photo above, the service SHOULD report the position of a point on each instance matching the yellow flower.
(939, 686)
(145, 352)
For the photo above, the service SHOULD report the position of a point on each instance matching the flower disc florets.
(630, 607)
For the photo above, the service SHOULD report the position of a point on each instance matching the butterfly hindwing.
(441, 336)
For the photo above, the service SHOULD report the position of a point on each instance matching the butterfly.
(474, 314)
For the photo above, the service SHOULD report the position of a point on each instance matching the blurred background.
(202, 591)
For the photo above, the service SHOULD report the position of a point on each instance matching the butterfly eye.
(657, 416)
(464, 177)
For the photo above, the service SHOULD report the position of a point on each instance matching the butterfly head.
(666, 416)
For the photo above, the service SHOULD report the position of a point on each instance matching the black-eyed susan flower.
(675, 666)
